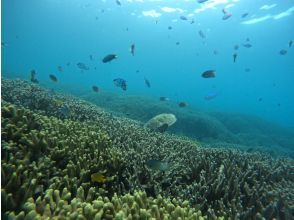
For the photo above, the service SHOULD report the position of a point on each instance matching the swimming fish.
(226, 15)
(118, 2)
(236, 47)
(183, 104)
(163, 98)
(208, 74)
(98, 178)
(33, 77)
(91, 57)
(244, 15)
(211, 96)
(235, 57)
(283, 52)
(201, 1)
(68, 63)
(290, 43)
(157, 165)
(170, 27)
(82, 66)
(60, 69)
(147, 83)
(260, 99)
(247, 69)
(184, 18)
(53, 78)
(119, 82)
(247, 45)
(133, 49)
(109, 58)
(177, 43)
(95, 88)
(201, 34)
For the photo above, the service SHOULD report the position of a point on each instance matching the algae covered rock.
(161, 122)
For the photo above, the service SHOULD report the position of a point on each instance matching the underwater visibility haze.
(140, 109)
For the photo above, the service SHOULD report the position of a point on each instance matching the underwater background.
(84, 81)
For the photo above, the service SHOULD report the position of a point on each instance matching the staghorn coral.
(218, 182)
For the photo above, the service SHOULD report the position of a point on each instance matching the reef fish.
(33, 77)
(53, 78)
(147, 83)
(208, 74)
(158, 165)
(184, 18)
(226, 15)
(98, 178)
(118, 2)
(95, 88)
(163, 98)
(60, 69)
(201, 34)
(109, 58)
(133, 49)
(202, 1)
(283, 52)
(290, 43)
(247, 45)
(211, 96)
(244, 15)
(119, 82)
(82, 66)
(235, 57)
(183, 104)
(170, 27)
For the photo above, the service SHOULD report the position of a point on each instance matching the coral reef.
(48, 160)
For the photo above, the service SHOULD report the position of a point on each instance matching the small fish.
(215, 52)
(247, 39)
(91, 57)
(60, 69)
(208, 74)
(33, 77)
(247, 45)
(163, 98)
(82, 66)
(170, 27)
(177, 43)
(260, 99)
(211, 96)
(202, 1)
(137, 71)
(118, 2)
(235, 57)
(98, 178)
(290, 43)
(109, 58)
(192, 21)
(3, 44)
(247, 70)
(184, 18)
(201, 34)
(157, 165)
(68, 63)
(283, 52)
(119, 82)
(133, 49)
(244, 15)
(95, 88)
(53, 78)
(183, 104)
(236, 47)
(147, 83)
(226, 14)
(279, 105)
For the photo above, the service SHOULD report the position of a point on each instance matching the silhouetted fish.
(184, 18)
(82, 66)
(183, 104)
(244, 15)
(53, 78)
(234, 57)
(147, 83)
(95, 88)
(119, 82)
(247, 45)
(133, 49)
(290, 43)
(283, 52)
(202, 1)
(60, 69)
(226, 14)
(201, 34)
(109, 58)
(208, 74)
(163, 98)
(211, 96)
(33, 77)
(170, 27)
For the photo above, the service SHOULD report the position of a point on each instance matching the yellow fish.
(98, 177)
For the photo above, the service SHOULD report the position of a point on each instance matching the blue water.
(42, 35)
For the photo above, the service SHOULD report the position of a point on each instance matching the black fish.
(201, 34)
(201, 1)
(244, 15)
(208, 74)
(95, 88)
(178, 43)
(163, 98)
(118, 2)
(133, 49)
(82, 66)
(53, 78)
(235, 57)
(60, 69)
(183, 18)
(119, 82)
(33, 77)
(157, 165)
(147, 83)
(247, 45)
(283, 52)
(290, 43)
(183, 104)
(109, 58)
